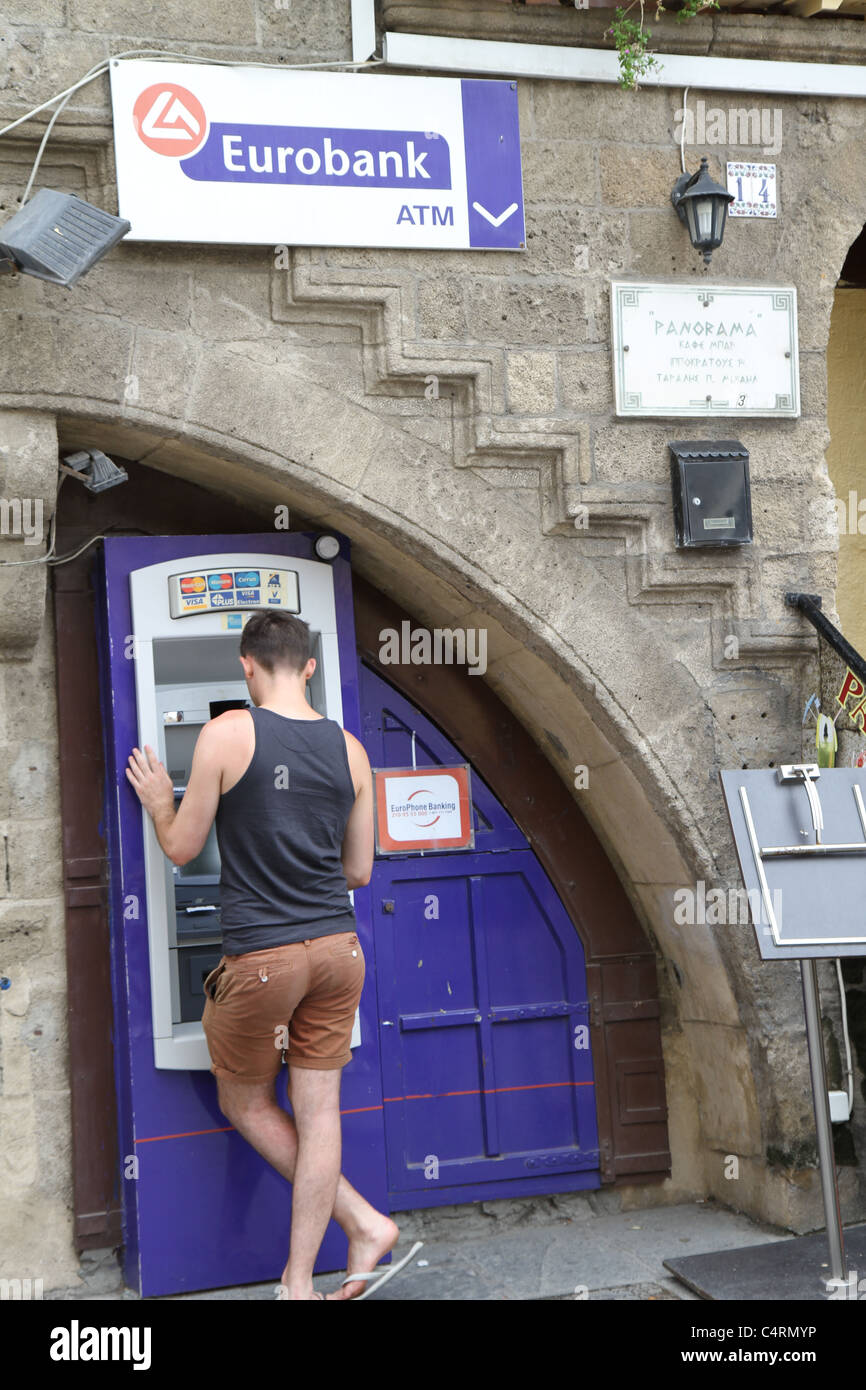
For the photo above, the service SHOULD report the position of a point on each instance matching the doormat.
(782, 1269)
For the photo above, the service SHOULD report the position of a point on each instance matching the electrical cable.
(64, 559)
(39, 153)
(159, 53)
(46, 558)
(63, 97)
(682, 132)
(99, 68)
(49, 558)
(849, 1083)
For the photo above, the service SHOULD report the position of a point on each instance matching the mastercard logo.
(193, 584)
(169, 119)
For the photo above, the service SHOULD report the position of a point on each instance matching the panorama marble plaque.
(703, 349)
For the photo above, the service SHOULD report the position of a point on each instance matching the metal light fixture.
(58, 237)
(703, 205)
(94, 469)
(327, 547)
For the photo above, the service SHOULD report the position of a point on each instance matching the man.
(292, 796)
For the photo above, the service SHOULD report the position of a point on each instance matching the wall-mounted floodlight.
(58, 237)
(94, 469)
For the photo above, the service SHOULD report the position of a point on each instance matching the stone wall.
(452, 412)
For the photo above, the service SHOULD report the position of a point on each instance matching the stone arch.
(567, 699)
(310, 396)
(610, 702)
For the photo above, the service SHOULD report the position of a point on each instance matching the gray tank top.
(280, 834)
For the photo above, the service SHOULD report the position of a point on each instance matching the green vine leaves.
(636, 60)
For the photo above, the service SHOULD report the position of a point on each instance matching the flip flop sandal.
(381, 1275)
(283, 1295)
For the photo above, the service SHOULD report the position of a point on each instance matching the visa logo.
(249, 596)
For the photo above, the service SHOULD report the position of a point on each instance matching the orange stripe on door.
(364, 1109)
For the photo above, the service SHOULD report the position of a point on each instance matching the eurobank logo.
(234, 155)
(169, 119)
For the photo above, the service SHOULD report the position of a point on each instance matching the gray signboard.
(801, 843)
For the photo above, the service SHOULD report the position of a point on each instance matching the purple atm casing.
(201, 1208)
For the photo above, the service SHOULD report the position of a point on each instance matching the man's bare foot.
(365, 1251)
(285, 1294)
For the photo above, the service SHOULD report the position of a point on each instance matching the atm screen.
(220, 706)
(180, 740)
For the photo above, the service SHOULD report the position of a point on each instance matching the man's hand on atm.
(182, 834)
(152, 785)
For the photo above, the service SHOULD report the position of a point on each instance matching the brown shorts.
(301, 998)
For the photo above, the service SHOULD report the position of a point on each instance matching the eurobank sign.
(257, 156)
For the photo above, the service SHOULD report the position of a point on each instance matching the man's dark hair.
(275, 638)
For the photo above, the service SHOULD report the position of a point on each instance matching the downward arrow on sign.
(495, 221)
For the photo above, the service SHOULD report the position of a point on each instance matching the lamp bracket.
(677, 192)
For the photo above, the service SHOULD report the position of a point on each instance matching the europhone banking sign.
(257, 156)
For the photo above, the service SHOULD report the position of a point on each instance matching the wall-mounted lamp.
(703, 205)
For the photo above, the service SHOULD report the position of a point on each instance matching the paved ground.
(561, 1248)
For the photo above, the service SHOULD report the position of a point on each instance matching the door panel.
(486, 1067)
(481, 1075)
(389, 721)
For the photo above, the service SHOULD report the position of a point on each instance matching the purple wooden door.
(486, 1067)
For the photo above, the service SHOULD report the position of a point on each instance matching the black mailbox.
(710, 480)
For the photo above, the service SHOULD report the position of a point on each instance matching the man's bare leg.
(316, 1103)
(252, 1108)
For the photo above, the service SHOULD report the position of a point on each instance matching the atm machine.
(201, 1208)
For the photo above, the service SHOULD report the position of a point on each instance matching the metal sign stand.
(839, 1277)
(806, 775)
